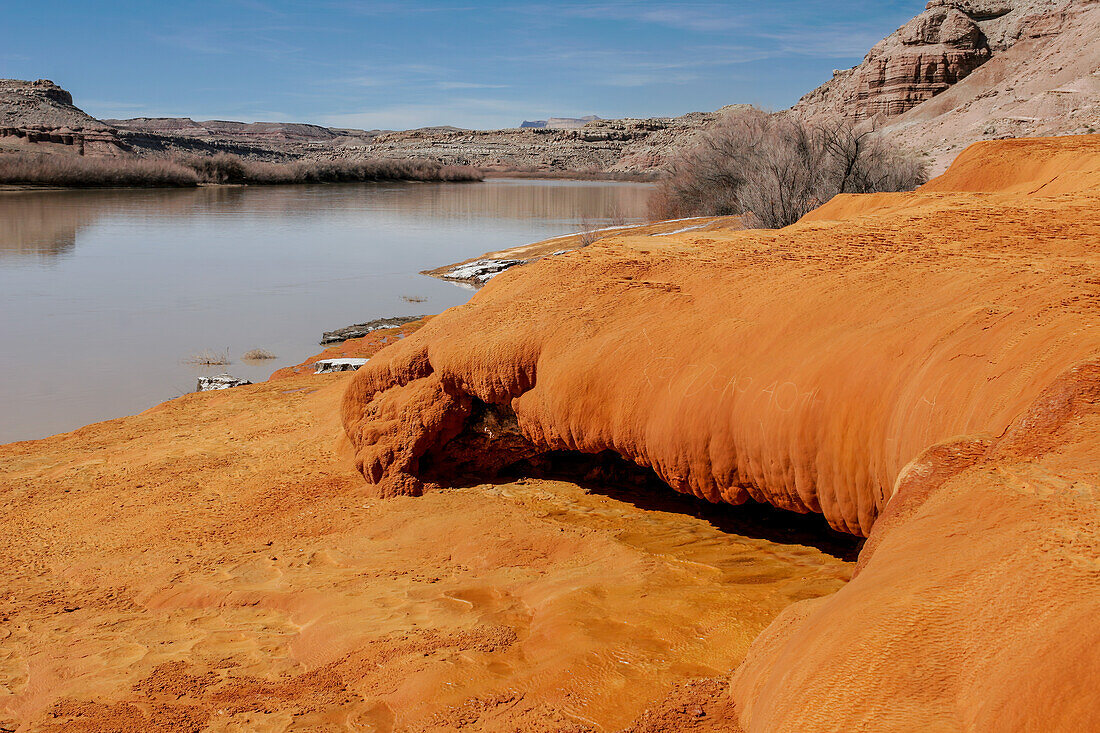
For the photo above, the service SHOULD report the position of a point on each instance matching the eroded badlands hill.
(931, 356)
(967, 70)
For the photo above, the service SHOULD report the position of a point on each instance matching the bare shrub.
(414, 298)
(208, 357)
(257, 355)
(220, 168)
(773, 169)
(589, 232)
(40, 169)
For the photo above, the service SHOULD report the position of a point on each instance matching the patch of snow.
(328, 366)
(596, 231)
(679, 231)
(481, 270)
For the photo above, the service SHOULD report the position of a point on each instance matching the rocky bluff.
(926, 56)
(42, 112)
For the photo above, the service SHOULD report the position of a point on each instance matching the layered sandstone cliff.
(929, 54)
(969, 70)
(618, 146)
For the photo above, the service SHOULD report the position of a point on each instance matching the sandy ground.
(213, 564)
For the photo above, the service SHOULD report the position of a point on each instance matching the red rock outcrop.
(923, 368)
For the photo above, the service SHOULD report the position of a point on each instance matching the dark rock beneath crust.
(362, 329)
(329, 366)
(220, 381)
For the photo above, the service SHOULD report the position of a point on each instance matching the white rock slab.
(220, 381)
(328, 366)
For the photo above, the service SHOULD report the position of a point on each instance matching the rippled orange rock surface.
(918, 367)
(213, 564)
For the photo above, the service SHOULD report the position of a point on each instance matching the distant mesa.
(560, 123)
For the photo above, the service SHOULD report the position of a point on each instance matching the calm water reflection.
(104, 294)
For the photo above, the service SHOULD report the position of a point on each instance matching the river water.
(106, 295)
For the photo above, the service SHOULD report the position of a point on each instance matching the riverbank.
(150, 277)
(479, 270)
(649, 176)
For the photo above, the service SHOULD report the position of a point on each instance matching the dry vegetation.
(78, 171)
(95, 172)
(774, 169)
(591, 174)
(209, 357)
(591, 230)
(258, 355)
(225, 168)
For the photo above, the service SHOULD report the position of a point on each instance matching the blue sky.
(359, 63)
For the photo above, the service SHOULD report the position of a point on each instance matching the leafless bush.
(41, 169)
(414, 298)
(208, 357)
(589, 232)
(775, 169)
(257, 355)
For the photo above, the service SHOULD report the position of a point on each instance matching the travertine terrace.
(889, 361)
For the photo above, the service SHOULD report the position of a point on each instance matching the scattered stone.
(480, 270)
(360, 330)
(328, 366)
(220, 381)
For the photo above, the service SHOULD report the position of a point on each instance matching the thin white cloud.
(447, 85)
(834, 41)
(699, 17)
(644, 79)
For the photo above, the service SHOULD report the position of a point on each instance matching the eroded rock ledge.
(802, 368)
(928, 358)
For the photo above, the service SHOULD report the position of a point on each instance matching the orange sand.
(214, 564)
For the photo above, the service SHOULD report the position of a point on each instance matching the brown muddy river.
(105, 295)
